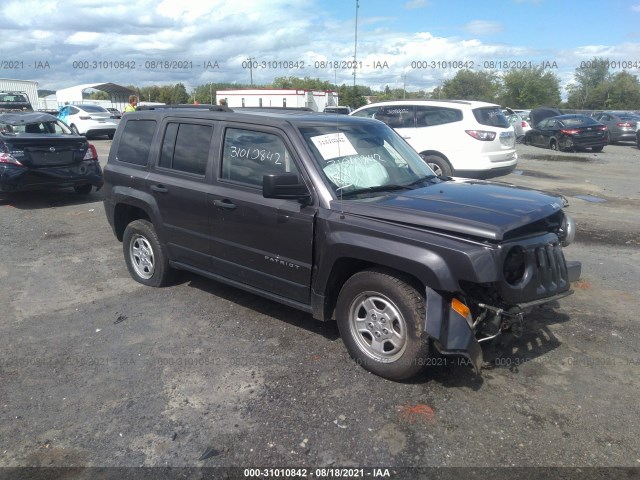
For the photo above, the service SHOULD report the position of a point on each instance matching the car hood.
(475, 208)
(538, 114)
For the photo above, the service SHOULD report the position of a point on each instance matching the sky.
(412, 44)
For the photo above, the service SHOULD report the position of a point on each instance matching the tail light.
(482, 135)
(603, 128)
(91, 154)
(7, 158)
(624, 124)
(573, 131)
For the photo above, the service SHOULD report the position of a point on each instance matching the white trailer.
(274, 97)
(30, 87)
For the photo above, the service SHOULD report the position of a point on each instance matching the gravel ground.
(97, 370)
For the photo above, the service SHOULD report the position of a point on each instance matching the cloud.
(635, 8)
(412, 4)
(483, 27)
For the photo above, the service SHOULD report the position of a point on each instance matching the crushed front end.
(533, 271)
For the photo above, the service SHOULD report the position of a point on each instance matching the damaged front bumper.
(454, 332)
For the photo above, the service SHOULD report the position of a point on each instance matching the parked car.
(638, 134)
(339, 217)
(455, 137)
(568, 132)
(88, 119)
(622, 125)
(37, 150)
(343, 110)
(115, 113)
(15, 101)
(520, 125)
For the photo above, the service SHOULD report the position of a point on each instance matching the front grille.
(551, 269)
(545, 270)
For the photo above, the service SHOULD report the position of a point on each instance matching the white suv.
(455, 137)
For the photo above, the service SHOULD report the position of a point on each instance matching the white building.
(275, 97)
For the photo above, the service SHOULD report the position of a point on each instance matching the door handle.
(159, 188)
(406, 137)
(224, 204)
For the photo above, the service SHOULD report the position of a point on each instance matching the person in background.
(133, 102)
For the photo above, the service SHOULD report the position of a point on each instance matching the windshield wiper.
(377, 188)
(422, 179)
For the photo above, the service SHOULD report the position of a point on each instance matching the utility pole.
(355, 58)
(251, 59)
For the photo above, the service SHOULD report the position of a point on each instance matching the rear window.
(491, 117)
(135, 141)
(92, 108)
(579, 121)
(13, 98)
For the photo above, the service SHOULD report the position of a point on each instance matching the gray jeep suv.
(336, 216)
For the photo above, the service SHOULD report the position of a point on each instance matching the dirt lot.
(98, 370)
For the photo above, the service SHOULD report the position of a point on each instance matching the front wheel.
(597, 149)
(553, 145)
(145, 257)
(438, 164)
(381, 320)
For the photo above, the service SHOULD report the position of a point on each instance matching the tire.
(638, 140)
(146, 259)
(378, 303)
(597, 149)
(553, 145)
(438, 164)
(83, 189)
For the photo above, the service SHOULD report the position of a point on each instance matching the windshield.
(365, 158)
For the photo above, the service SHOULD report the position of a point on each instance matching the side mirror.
(284, 185)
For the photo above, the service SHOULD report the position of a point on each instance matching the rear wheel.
(381, 321)
(597, 149)
(83, 189)
(146, 259)
(553, 145)
(438, 164)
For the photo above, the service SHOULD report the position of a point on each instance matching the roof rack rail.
(213, 108)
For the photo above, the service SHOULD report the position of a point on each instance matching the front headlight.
(567, 231)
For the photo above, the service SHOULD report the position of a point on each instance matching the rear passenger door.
(179, 181)
(261, 242)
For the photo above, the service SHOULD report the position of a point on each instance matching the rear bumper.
(486, 174)
(15, 178)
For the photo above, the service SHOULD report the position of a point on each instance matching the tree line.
(594, 87)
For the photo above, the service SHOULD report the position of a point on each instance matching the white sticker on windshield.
(333, 145)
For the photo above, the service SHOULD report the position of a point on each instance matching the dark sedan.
(621, 125)
(568, 132)
(38, 151)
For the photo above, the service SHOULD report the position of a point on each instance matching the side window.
(429, 116)
(397, 117)
(73, 110)
(185, 147)
(135, 141)
(248, 155)
(367, 112)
